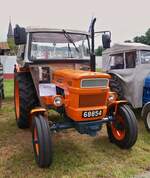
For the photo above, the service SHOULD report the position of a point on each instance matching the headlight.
(58, 101)
(112, 96)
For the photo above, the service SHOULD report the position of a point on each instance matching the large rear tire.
(25, 98)
(41, 139)
(1, 97)
(3, 93)
(115, 86)
(123, 131)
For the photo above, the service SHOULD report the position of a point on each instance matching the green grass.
(98, 69)
(9, 88)
(75, 155)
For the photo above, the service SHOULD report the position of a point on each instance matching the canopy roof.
(38, 29)
(121, 47)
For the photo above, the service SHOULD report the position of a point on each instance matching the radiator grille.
(92, 100)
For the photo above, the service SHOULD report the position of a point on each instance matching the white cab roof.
(39, 29)
(121, 47)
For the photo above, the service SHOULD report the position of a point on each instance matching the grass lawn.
(75, 155)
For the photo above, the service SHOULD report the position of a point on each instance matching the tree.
(99, 51)
(145, 39)
(12, 46)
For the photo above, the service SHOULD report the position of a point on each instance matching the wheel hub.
(119, 126)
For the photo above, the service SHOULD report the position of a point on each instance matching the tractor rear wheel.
(1, 97)
(123, 131)
(41, 139)
(3, 93)
(25, 98)
(115, 86)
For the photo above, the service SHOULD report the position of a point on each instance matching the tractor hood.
(79, 74)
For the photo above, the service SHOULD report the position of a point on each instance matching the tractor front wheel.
(147, 121)
(41, 139)
(123, 130)
(146, 116)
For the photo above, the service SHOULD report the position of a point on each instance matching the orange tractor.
(56, 70)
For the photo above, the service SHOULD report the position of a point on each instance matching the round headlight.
(111, 98)
(58, 101)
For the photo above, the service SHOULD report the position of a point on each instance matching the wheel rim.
(17, 102)
(148, 120)
(118, 128)
(36, 143)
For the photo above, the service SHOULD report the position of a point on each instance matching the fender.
(38, 110)
(116, 104)
(119, 76)
(144, 109)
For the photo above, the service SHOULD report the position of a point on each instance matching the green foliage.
(99, 51)
(145, 39)
(12, 46)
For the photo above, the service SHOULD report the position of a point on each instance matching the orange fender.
(36, 111)
(116, 104)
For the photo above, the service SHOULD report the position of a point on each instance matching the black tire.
(25, 100)
(115, 86)
(125, 125)
(2, 88)
(41, 139)
(3, 94)
(146, 117)
(1, 97)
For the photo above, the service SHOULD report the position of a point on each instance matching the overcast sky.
(125, 18)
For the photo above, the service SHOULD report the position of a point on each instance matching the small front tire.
(41, 139)
(123, 131)
(146, 117)
(147, 121)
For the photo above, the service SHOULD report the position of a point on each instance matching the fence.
(8, 63)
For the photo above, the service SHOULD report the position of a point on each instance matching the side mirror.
(20, 35)
(106, 40)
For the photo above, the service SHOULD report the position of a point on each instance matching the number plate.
(95, 113)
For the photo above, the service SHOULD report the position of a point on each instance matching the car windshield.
(145, 57)
(59, 46)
